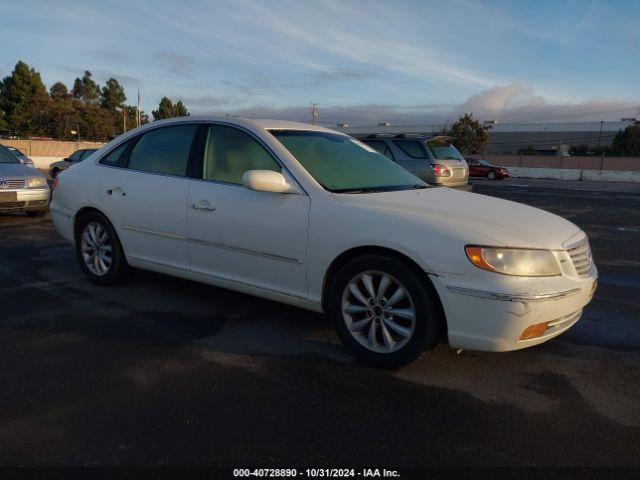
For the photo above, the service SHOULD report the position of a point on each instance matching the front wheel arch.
(348, 255)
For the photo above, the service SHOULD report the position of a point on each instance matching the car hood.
(470, 217)
(17, 171)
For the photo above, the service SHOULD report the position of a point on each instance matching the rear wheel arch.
(84, 211)
(345, 257)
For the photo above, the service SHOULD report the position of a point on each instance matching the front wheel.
(491, 175)
(383, 311)
(99, 250)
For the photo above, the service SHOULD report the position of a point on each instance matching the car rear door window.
(412, 148)
(85, 154)
(380, 147)
(113, 158)
(230, 152)
(163, 150)
(75, 156)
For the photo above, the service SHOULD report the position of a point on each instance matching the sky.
(362, 62)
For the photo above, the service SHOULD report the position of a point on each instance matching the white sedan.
(311, 217)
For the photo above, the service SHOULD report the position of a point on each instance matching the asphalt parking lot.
(163, 371)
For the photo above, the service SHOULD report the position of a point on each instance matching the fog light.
(534, 331)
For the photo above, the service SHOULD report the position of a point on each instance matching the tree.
(627, 141)
(59, 92)
(167, 109)
(24, 100)
(470, 136)
(85, 88)
(112, 95)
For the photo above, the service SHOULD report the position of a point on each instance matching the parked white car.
(311, 217)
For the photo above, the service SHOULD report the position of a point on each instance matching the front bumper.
(27, 199)
(490, 319)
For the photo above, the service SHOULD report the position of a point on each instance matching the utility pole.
(600, 136)
(314, 113)
(124, 119)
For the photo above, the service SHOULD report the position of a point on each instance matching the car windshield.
(343, 164)
(444, 151)
(6, 157)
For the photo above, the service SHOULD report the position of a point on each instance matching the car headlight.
(514, 261)
(35, 182)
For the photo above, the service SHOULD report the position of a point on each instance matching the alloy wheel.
(378, 311)
(96, 248)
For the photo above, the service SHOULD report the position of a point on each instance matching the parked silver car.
(20, 156)
(22, 188)
(432, 159)
(56, 167)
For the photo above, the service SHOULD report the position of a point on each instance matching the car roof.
(267, 124)
(403, 136)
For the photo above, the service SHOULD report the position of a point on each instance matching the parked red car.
(482, 168)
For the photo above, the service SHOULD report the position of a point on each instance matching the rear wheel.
(99, 250)
(491, 175)
(383, 311)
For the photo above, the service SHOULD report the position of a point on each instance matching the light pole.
(600, 135)
(77, 133)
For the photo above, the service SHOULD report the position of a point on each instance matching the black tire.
(119, 270)
(491, 175)
(54, 173)
(429, 322)
(36, 213)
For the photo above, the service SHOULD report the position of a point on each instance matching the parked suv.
(433, 159)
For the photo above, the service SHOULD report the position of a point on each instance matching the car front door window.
(229, 153)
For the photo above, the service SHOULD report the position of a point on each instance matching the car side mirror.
(265, 181)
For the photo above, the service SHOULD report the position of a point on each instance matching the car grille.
(4, 205)
(11, 184)
(580, 254)
(460, 172)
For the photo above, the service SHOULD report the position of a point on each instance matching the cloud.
(332, 73)
(503, 97)
(205, 103)
(514, 102)
(177, 63)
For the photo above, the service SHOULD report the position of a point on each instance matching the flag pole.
(138, 110)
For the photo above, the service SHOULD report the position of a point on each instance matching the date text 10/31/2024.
(317, 472)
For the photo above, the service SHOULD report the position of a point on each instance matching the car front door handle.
(203, 205)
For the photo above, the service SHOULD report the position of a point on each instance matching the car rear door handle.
(119, 190)
(203, 205)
